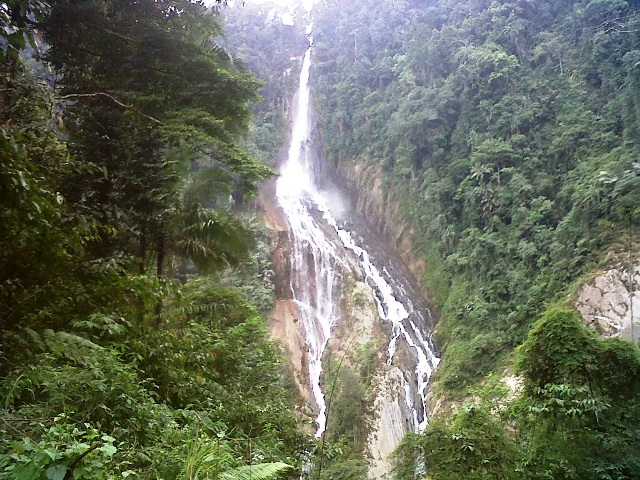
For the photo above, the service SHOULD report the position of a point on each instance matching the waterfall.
(314, 276)
(322, 250)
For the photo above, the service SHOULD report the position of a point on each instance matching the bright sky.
(289, 7)
(283, 3)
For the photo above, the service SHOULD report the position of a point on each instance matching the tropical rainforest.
(510, 129)
(135, 277)
(133, 280)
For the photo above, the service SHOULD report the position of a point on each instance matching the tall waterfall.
(322, 250)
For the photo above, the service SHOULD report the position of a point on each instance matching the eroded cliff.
(358, 351)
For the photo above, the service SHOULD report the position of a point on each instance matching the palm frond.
(211, 239)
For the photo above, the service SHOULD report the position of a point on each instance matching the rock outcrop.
(390, 421)
(388, 415)
(283, 318)
(607, 303)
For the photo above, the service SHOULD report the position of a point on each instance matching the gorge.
(451, 128)
(327, 244)
(169, 208)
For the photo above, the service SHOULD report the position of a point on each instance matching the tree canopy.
(505, 128)
(122, 177)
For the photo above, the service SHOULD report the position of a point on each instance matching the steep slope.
(495, 145)
(512, 162)
(500, 140)
(373, 392)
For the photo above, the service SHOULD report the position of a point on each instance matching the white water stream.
(320, 247)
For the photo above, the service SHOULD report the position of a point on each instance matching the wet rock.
(379, 204)
(390, 423)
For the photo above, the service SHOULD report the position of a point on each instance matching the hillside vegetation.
(129, 348)
(133, 278)
(512, 130)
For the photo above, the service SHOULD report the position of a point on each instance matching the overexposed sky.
(283, 3)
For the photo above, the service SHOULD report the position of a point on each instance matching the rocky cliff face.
(387, 416)
(607, 303)
(380, 205)
(389, 424)
(283, 318)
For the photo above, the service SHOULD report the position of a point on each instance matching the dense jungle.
(495, 144)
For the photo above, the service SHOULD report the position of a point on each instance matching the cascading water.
(320, 251)
(314, 275)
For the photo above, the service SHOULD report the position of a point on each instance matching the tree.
(146, 94)
(474, 445)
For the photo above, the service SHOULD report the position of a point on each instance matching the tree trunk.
(159, 270)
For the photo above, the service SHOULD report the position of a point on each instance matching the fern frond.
(260, 471)
(56, 339)
(72, 347)
(35, 337)
(191, 310)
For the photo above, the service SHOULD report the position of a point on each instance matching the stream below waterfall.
(326, 244)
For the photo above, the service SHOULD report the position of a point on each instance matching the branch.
(114, 100)
(6, 422)
(70, 468)
(128, 62)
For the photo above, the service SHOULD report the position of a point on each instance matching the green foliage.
(576, 416)
(213, 458)
(158, 100)
(37, 241)
(558, 346)
(215, 366)
(210, 239)
(347, 380)
(346, 408)
(254, 276)
(470, 357)
(473, 445)
(261, 471)
(511, 129)
(115, 174)
(346, 469)
(512, 137)
(408, 460)
(576, 410)
(272, 50)
(17, 19)
(63, 451)
(437, 277)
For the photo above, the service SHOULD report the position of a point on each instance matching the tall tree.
(147, 94)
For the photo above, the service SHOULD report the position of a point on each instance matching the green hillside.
(511, 130)
(126, 351)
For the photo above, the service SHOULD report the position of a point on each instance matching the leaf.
(57, 472)
(109, 450)
(23, 180)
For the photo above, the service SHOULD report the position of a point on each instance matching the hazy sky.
(285, 3)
